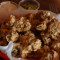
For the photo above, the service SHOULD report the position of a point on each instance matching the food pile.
(34, 35)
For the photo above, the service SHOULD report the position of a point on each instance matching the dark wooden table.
(44, 4)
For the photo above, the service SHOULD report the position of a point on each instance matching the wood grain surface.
(44, 4)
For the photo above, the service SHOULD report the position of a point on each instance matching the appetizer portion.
(34, 35)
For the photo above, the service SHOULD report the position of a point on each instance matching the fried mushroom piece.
(16, 50)
(54, 28)
(13, 36)
(30, 35)
(28, 44)
(44, 14)
(41, 27)
(47, 56)
(39, 53)
(19, 25)
(43, 21)
(52, 55)
(56, 46)
(46, 38)
(22, 25)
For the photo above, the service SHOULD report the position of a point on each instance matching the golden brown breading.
(56, 46)
(41, 27)
(54, 28)
(46, 38)
(39, 53)
(34, 35)
(26, 46)
(13, 36)
(22, 25)
(50, 56)
(16, 50)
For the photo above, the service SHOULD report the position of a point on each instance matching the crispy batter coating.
(56, 46)
(50, 56)
(54, 28)
(34, 35)
(46, 38)
(20, 25)
(13, 36)
(26, 46)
